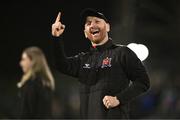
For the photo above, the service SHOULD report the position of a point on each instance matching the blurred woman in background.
(36, 86)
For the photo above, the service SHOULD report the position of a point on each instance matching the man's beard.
(99, 40)
(96, 41)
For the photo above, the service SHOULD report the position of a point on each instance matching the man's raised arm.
(70, 65)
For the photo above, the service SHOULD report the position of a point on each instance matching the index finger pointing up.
(58, 17)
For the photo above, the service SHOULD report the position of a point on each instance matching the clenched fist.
(110, 101)
(57, 27)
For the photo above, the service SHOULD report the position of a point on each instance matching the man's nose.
(93, 24)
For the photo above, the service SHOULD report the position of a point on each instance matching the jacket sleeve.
(135, 72)
(66, 65)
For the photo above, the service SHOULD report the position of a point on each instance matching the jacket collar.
(103, 47)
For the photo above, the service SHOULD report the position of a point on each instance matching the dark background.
(154, 23)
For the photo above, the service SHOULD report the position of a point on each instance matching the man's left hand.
(110, 101)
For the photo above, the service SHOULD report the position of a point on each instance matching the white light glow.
(141, 50)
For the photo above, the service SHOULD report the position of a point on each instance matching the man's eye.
(97, 21)
(88, 23)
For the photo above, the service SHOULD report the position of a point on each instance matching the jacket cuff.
(56, 38)
(122, 99)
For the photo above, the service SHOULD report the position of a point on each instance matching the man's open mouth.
(94, 32)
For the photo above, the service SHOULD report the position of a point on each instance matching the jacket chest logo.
(106, 62)
(86, 66)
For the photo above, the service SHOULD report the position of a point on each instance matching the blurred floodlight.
(141, 50)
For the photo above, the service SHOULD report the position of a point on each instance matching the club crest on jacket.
(106, 62)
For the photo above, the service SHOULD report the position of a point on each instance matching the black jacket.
(105, 70)
(35, 100)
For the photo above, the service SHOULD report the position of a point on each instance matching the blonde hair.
(39, 67)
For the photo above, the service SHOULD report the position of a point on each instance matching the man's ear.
(85, 33)
(107, 27)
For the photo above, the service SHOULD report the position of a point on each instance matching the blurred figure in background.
(36, 86)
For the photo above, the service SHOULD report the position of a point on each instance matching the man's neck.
(101, 43)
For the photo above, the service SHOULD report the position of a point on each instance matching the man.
(110, 75)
